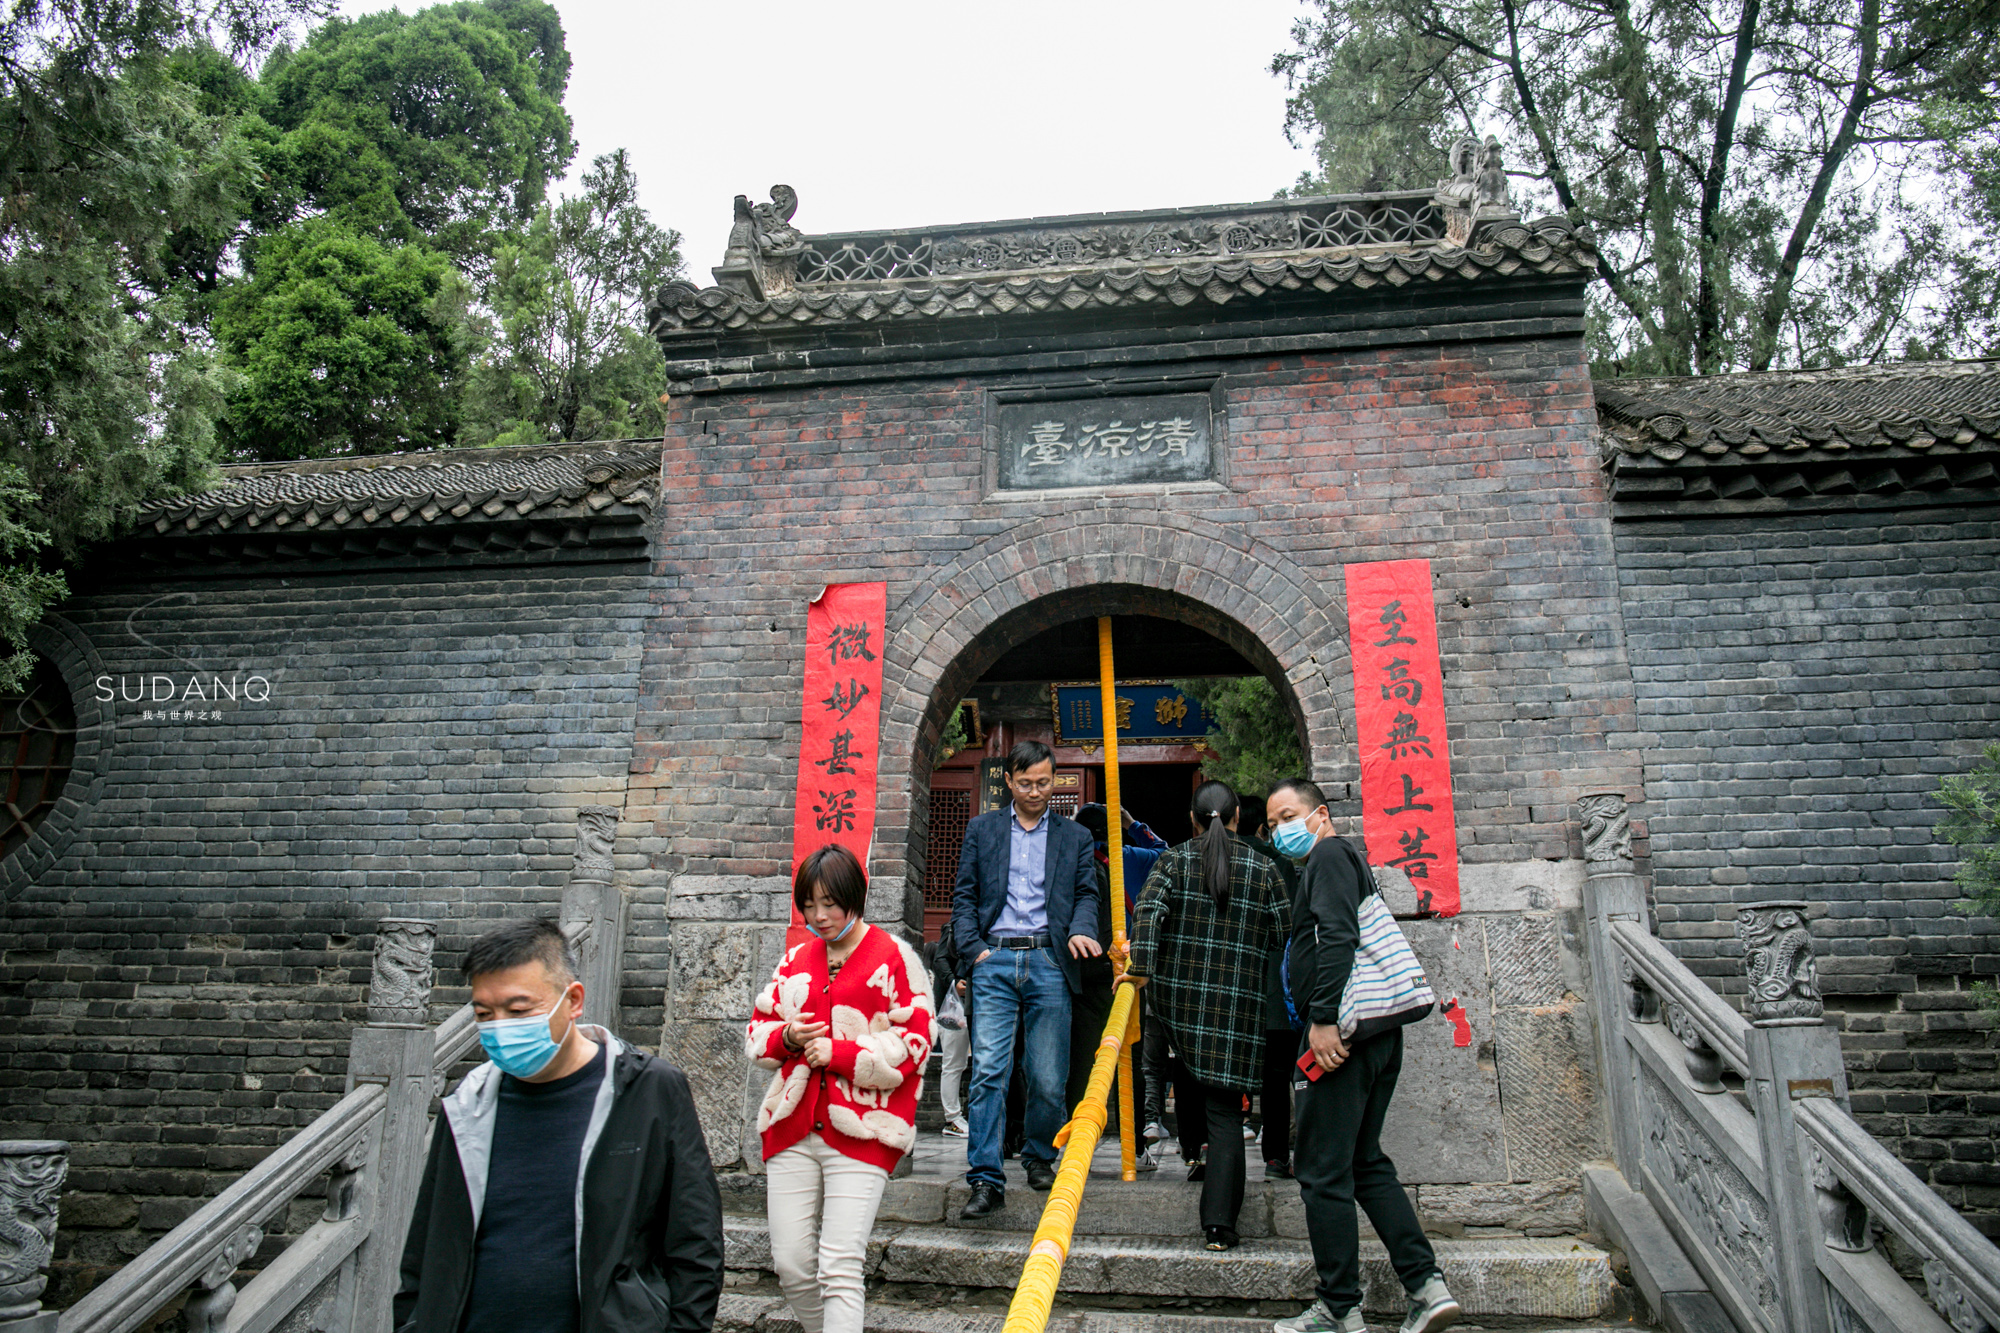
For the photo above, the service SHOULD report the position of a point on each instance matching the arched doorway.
(1031, 675)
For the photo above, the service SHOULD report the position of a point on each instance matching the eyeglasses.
(1024, 784)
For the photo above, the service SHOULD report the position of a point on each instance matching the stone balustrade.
(340, 1274)
(1733, 1136)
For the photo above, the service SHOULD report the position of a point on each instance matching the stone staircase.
(1137, 1262)
(740, 1313)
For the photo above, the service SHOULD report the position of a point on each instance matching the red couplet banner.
(843, 722)
(1406, 812)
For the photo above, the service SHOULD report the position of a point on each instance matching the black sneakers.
(1041, 1174)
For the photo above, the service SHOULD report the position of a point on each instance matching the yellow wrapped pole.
(1035, 1294)
(1114, 819)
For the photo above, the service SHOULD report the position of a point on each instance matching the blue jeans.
(1010, 988)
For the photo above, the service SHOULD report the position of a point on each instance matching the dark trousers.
(1088, 1012)
(1220, 1112)
(1154, 1062)
(1339, 1162)
(1281, 1051)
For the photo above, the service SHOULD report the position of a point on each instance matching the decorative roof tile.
(536, 483)
(1927, 425)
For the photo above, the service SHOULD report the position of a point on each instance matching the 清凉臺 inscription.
(1105, 441)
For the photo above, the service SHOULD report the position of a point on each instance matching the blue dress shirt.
(1027, 909)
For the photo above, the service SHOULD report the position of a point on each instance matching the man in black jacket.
(1337, 1141)
(568, 1188)
(1023, 915)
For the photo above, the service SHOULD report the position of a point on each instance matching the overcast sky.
(888, 114)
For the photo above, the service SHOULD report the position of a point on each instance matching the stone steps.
(742, 1313)
(1166, 1204)
(1523, 1277)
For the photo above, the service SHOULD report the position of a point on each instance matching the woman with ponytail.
(1209, 916)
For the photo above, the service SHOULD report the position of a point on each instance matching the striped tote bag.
(1387, 979)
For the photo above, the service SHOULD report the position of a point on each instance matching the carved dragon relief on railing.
(1708, 1190)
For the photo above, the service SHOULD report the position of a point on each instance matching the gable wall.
(178, 987)
(1809, 679)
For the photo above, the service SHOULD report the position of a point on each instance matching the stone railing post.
(1794, 1055)
(593, 899)
(396, 1050)
(214, 1293)
(31, 1178)
(1613, 891)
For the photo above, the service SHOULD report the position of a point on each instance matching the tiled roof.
(1548, 247)
(536, 483)
(1861, 430)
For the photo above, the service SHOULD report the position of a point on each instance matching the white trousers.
(821, 1204)
(956, 1044)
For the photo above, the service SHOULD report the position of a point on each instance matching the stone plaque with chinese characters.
(1105, 441)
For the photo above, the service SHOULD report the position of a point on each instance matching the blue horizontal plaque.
(1149, 713)
(1105, 441)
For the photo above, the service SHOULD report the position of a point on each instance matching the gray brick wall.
(1809, 678)
(179, 985)
(1479, 456)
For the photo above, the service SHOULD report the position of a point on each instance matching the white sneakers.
(1153, 1147)
(955, 1127)
(1316, 1318)
(1432, 1310)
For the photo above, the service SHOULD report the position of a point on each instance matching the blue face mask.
(1293, 838)
(521, 1046)
(835, 939)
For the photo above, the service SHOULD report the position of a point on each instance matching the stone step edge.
(744, 1313)
(1549, 1210)
(1528, 1278)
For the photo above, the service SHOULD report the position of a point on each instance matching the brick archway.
(1133, 560)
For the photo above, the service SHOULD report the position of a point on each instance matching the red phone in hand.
(1310, 1066)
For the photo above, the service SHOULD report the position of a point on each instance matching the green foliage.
(443, 126)
(570, 358)
(1972, 825)
(1363, 84)
(955, 737)
(1771, 183)
(396, 154)
(345, 346)
(1255, 743)
(108, 396)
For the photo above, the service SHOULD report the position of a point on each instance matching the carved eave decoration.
(458, 502)
(776, 280)
(1786, 439)
(1550, 247)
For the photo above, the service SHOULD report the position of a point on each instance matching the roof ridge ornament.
(762, 258)
(1475, 194)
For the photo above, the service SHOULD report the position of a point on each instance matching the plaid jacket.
(1207, 965)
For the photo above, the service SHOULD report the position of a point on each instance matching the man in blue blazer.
(1024, 910)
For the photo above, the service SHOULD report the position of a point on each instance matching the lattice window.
(1066, 804)
(38, 741)
(851, 263)
(1371, 223)
(949, 812)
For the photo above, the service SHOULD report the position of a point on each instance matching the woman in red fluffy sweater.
(845, 1023)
